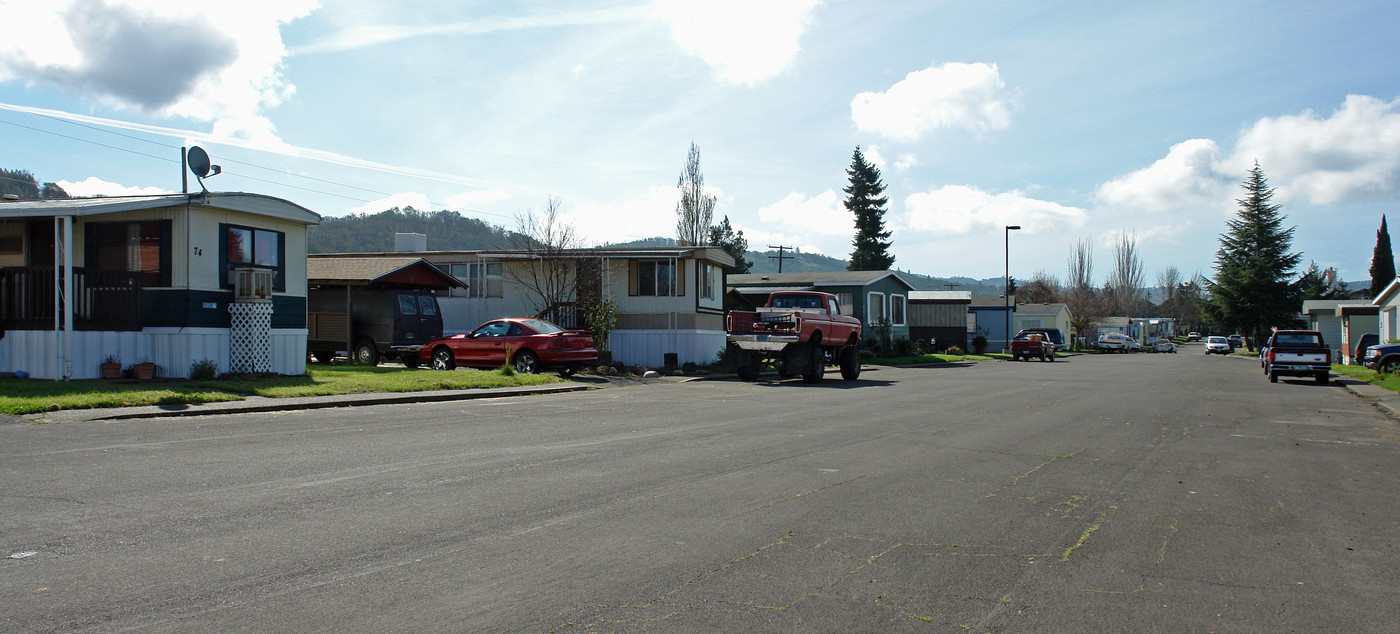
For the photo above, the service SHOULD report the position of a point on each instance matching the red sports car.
(533, 345)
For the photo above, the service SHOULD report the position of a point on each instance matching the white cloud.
(1352, 154)
(93, 186)
(959, 209)
(953, 95)
(401, 200)
(1189, 176)
(874, 157)
(470, 199)
(214, 62)
(905, 162)
(651, 215)
(745, 41)
(823, 214)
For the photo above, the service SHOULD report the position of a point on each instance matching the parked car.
(1236, 341)
(1366, 341)
(1383, 357)
(799, 332)
(1112, 342)
(1163, 344)
(528, 345)
(1030, 344)
(1056, 337)
(1217, 345)
(1134, 345)
(1298, 353)
(384, 324)
(1193, 336)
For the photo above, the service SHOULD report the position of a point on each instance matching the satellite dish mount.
(198, 161)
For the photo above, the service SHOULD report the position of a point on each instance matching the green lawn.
(28, 396)
(1388, 381)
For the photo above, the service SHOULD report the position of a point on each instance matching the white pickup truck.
(1297, 353)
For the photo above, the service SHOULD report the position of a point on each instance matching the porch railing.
(103, 299)
(563, 314)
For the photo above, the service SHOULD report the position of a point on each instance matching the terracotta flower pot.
(111, 370)
(144, 370)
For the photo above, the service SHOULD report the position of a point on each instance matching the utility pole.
(779, 257)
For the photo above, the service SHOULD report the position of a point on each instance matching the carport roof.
(377, 271)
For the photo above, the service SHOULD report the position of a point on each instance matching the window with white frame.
(875, 309)
(707, 280)
(654, 278)
(847, 302)
(486, 279)
(897, 304)
(483, 279)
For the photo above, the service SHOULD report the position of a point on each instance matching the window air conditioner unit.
(252, 285)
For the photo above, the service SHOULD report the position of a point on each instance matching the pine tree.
(1252, 289)
(865, 200)
(1382, 262)
(733, 242)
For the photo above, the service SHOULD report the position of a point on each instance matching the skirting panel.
(649, 347)
(173, 350)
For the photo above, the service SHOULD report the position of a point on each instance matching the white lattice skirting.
(250, 337)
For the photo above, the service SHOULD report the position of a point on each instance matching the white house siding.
(172, 349)
(199, 263)
(649, 347)
(1330, 325)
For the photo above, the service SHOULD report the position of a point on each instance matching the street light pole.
(1006, 285)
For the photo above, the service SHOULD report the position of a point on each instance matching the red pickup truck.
(799, 332)
(1032, 343)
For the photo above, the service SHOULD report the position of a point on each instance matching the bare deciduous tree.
(1078, 293)
(1124, 287)
(1168, 280)
(696, 208)
(549, 276)
(1042, 289)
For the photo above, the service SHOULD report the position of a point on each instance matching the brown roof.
(385, 270)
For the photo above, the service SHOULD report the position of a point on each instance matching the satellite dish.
(198, 161)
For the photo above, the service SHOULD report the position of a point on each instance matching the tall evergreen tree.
(1382, 261)
(733, 242)
(1252, 290)
(865, 200)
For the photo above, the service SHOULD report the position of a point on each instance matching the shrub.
(903, 347)
(204, 369)
(979, 344)
(955, 351)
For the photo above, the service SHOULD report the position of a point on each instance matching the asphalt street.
(1142, 492)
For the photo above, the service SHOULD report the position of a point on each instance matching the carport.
(346, 275)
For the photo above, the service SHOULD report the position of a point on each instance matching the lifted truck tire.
(850, 362)
(1322, 378)
(818, 367)
(746, 365)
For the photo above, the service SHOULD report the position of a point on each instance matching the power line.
(230, 160)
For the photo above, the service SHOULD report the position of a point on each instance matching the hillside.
(446, 231)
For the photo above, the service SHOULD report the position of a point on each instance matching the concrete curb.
(254, 404)
(1384, 400)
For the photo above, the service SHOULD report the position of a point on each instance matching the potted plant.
(111, 367)
(144, 369)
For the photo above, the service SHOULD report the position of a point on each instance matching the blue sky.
(1083, 120)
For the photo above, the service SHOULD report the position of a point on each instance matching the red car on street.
(533, 345)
